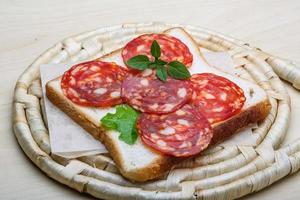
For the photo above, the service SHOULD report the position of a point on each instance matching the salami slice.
(148, 94)
(217, 97)
(171, 48)
(94, 83)
(182, 133)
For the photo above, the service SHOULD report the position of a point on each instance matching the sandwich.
(156, 102)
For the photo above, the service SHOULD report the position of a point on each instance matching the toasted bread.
(138, 162)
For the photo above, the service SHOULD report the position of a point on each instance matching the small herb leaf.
(161, 73)
(178, 70)
(174, 69)
(161, 62)
(155, 49)
(124, 121)
(139, 62)
(152, 65)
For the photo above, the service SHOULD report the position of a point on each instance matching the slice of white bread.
(138, 162)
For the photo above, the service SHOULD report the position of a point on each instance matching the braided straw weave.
(219, 173)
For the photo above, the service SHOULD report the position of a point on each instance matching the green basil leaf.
(161, 62)
(109, 121)
(139, 62)
(178, 70)
(155, 49)
(124, 121)
(129, 138)
(152, 65)
(161, 73)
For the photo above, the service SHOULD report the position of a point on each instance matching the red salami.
(171, 48)
(148, 94)
(94, 83)
(182, 133)
(217, 97)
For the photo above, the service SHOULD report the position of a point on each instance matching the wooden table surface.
(29, 27)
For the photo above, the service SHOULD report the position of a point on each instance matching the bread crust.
(251, 115)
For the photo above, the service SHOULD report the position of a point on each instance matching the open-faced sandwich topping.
(172, 49)
(94, 83)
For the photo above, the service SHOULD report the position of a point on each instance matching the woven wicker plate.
(221, 173)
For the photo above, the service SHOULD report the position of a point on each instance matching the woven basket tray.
(220, 173)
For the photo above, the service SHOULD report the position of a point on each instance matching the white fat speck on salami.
(217, 97)
(148, 94)
(94, 83)
(176, 134)
(171, 48)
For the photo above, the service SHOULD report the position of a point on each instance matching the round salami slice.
(171, 48)
(217, 97)
(182, 133)
(94, 83)
(148, 94)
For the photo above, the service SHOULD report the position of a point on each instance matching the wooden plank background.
(27, 28)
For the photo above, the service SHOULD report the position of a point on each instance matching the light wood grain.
(30, 27)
